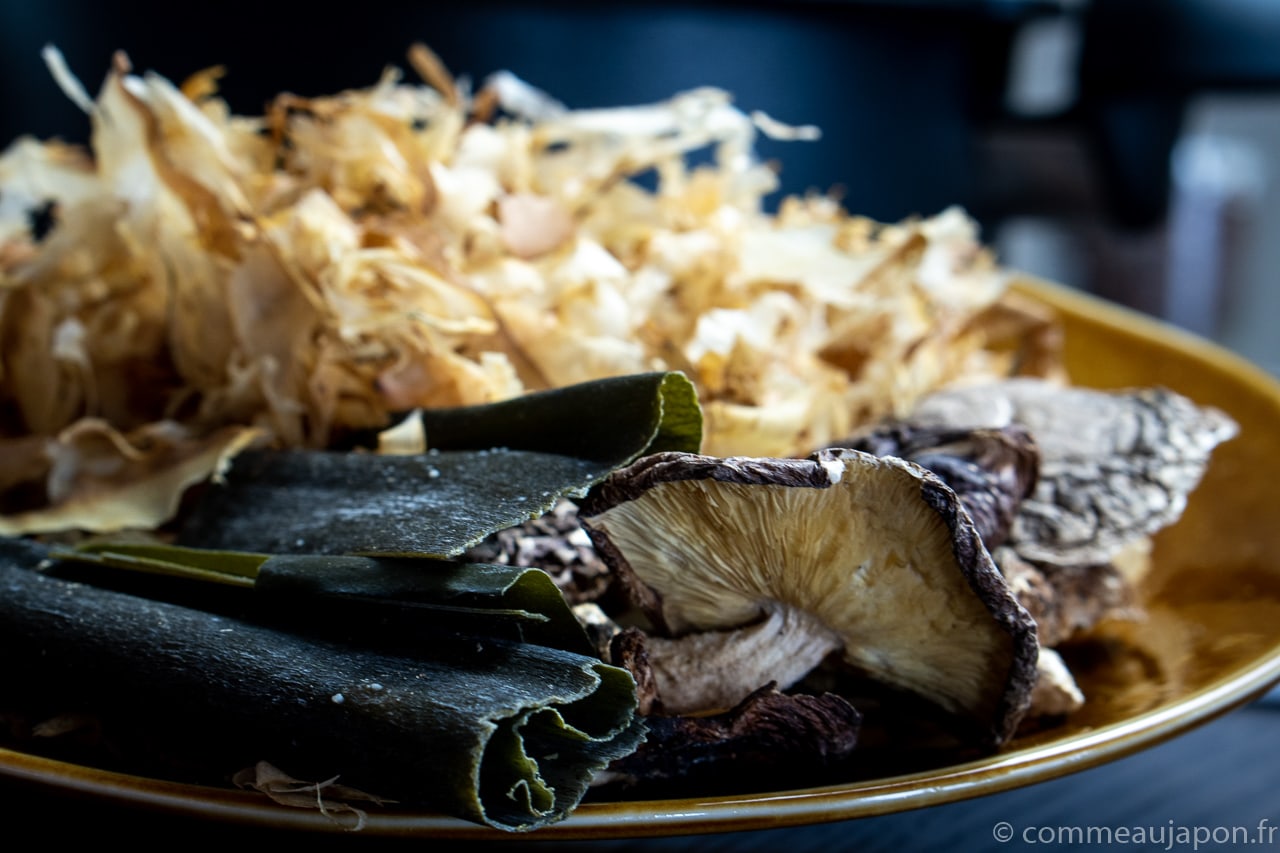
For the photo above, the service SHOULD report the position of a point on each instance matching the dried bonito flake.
(329, 798)
(312, 270)
(100, 480)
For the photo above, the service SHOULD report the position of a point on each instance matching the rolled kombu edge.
(502, 733)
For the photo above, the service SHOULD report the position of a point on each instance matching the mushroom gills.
(876, 550)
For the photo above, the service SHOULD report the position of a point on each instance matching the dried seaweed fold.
(505, 733)
(490, 467)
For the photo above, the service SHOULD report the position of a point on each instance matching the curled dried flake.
(271, 321)
(378, 289)
(1115, 467)
(854, 540)
(203, 84)
(688, 120)
(398, 222)
(311, 235)
(16, 251)
(66, 80)
(808, 256)
(32, 175)
(775, 427)
(606, 145)
(775, 129)
(48, 391)
(1021, 337)
(171, 223)
(532, 225)
(955, 269)
(741, 354)
(433, 71)
(103, 481)
(522, 99)
(332, 800)
(361, 146)
(466, 190)
(195, 152)
(563, 354)
(406, 438)
(434, 377)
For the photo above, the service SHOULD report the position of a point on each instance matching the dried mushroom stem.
(707, 670)
(1056, 690)
(854, 541)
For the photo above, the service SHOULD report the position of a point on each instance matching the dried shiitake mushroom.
(878, 554)
(712, 669)
(992, 471)
(768, 732)
(1067, 601)
(1114, 466)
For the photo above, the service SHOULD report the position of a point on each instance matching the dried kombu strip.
(388, 601)
(490, 467)
(508, 734)
(609, 421)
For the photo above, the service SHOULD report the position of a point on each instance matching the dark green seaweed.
(480, 706)
(508, 734)
(410, 601)
(490, 467)
(610, 421)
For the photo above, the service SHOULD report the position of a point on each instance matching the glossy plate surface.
(1211, 639)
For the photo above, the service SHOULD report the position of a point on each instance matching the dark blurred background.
(1127, 147)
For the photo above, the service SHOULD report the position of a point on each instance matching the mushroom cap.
(1115, 466)
(992, 471)
(878, 550)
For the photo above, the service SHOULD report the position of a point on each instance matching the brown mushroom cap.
(1115, 466)
(992, 471)
(876, 549)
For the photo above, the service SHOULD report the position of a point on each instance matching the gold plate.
(1211, 639)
